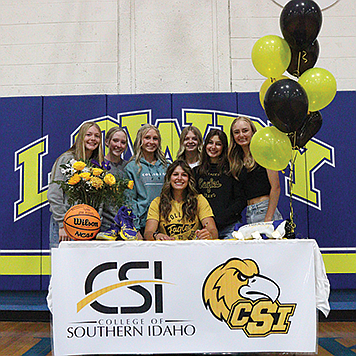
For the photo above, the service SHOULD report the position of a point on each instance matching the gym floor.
(25, 328)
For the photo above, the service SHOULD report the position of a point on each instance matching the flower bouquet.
(91, 184)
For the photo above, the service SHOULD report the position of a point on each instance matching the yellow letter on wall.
(32, 194)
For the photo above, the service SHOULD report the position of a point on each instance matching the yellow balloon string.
(301, 56)
(304, 57)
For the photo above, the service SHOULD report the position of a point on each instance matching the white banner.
(184, 297)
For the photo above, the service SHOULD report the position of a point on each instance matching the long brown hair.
(223, 163)
(235, 152)
(190, 203)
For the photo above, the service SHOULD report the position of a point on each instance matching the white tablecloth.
(164, 283)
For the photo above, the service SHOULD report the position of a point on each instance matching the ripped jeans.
(257, 212)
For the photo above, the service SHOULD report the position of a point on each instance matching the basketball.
(81, 222)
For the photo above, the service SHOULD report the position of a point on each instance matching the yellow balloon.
(271, 148)
(271, 56)
(266, 84)
(320, 86)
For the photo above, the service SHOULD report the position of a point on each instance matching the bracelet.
(155, 235)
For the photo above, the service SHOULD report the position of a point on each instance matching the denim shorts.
(257, 212)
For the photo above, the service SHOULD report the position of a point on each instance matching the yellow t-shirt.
(180, 229)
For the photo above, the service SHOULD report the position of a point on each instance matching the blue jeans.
(53, 233)
(226, 232)
(257, 212)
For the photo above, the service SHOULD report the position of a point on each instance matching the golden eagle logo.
(236, 292)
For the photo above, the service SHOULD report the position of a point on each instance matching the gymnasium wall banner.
(39, 129)
(186, 297)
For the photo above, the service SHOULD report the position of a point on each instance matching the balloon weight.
(271, 148)
(271, 56)
(286, 105)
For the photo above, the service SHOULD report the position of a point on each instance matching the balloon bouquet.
(291, 105)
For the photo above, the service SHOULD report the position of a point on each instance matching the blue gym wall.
(39, 129)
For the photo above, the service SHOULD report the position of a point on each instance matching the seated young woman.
(180, 213)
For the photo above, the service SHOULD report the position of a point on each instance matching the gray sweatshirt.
(57, 200)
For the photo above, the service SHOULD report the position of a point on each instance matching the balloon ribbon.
(290, 227)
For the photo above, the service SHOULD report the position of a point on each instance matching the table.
(187, 296)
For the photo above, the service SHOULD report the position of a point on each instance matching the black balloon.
(304, 59)
(300, 22)
(309, 128)
(286, 105)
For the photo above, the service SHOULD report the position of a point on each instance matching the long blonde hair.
(197, 133)
(142, 131)
(78, 147)
(235, 152)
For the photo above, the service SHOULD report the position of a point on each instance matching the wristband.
(155, 235)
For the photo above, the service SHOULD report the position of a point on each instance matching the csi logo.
(238, 294)
(134, 285)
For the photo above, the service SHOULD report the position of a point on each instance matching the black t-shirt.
(224, 194)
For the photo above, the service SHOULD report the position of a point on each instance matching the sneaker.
(124, 219)
(111, 234)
